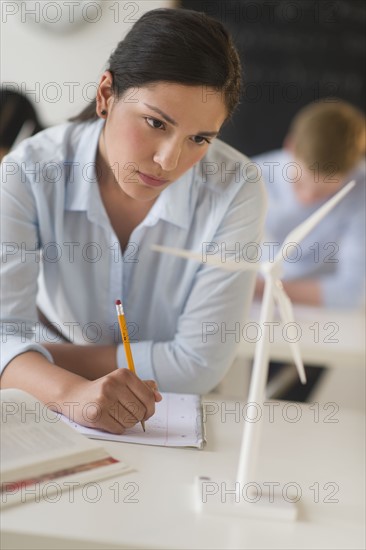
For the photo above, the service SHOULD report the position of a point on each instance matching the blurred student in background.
(18, 120)
(323, 150)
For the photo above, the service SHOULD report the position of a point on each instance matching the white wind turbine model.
(278, 508)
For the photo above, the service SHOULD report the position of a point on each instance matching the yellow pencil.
(126, 341)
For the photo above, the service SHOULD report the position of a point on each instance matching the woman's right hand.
(112, 403)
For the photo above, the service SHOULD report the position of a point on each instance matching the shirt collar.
(82, 177)
(175, 204)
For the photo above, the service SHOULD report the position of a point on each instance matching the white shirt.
(178, 311)
(334, 252)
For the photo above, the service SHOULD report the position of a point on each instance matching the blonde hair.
(329, 134)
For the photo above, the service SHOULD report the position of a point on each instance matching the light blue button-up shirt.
(334, 252)
(59, 251)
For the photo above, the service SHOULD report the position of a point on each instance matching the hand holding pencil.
(127, 348)
(115, 401)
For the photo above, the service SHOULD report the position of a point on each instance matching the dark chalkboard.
(293, 52)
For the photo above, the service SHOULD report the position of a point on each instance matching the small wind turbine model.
(276, 508)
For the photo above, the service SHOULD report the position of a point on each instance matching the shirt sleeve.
(345, 287)
(19, 265)
(212, 324)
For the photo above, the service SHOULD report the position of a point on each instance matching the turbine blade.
(287, 316)
(302, 230)
(211, 260)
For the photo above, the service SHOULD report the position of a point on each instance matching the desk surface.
(325, 336)
(153, 507)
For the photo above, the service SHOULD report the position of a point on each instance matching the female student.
(83, 202)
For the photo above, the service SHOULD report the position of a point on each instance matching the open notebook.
(177, 422)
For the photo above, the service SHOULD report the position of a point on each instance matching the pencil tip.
(143, 425)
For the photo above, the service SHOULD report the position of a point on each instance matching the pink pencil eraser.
(118, 302)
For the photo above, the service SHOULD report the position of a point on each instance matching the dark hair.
(175, 45)
(15, 110)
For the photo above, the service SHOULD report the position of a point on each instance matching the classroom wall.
(293, 52)
(55, 51)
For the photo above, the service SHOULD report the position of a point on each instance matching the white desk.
(325, 336)
(306, 453)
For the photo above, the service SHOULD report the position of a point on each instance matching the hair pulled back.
(175, 45)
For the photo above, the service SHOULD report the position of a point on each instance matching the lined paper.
(177, 422)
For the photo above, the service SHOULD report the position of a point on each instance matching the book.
(41, 455)
(177, 422)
